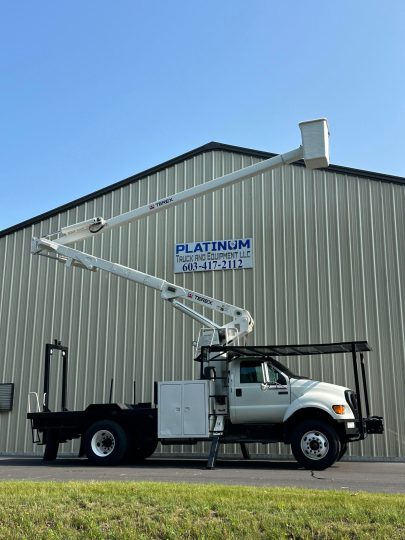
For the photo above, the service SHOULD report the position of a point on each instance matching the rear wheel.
(141, 448)
(315, 444)
(105, 443)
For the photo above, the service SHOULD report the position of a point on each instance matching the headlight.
(339, 409)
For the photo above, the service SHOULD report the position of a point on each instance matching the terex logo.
(202, 299)
(164, 201)
(157, 204)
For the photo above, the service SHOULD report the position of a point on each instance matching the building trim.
(210, 147)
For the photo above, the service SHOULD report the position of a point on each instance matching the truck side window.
(251, 372)
(276, 375)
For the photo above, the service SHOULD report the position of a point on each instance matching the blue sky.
(93, 92)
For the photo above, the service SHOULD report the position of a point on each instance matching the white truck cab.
(268, 402)
(269, 391)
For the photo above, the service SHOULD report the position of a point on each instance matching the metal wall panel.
(329, 266)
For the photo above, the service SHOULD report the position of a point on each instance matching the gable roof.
(212, 146)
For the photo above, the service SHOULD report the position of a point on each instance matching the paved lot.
(350, 476)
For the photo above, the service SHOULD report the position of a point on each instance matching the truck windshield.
(285, 370)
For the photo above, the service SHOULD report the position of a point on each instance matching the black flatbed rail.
(77, 419)
(292, 350)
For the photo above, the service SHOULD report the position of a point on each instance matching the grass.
(103, 510)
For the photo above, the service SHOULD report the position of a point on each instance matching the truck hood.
(307, 393)
(299, 387)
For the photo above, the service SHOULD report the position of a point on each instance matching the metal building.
(329, 261)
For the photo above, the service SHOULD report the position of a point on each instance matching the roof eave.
(209, 147)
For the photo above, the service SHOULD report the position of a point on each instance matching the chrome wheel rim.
(103, 443)
(314, 445)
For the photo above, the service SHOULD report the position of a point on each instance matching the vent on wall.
(6, 396)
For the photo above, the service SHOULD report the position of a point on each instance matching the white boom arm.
(314, 151)
(241, 319)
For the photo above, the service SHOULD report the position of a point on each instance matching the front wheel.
(105, 443)
(315, 444)
(343, 450)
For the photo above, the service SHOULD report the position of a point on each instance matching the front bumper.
(373, 425)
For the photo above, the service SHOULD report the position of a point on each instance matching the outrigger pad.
(212, 458)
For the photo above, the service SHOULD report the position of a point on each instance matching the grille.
(351, 399)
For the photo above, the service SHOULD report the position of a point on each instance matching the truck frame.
(243, 395)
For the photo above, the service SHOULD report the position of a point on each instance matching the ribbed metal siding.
(329, 261)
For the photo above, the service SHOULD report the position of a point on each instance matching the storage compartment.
(183, 409)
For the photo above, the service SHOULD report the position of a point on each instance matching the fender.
(303, 402)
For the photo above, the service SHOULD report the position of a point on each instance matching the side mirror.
(210, 373)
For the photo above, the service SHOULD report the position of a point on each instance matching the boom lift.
(207, 407)
(315, 152)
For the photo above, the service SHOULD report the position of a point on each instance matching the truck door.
(251, 400)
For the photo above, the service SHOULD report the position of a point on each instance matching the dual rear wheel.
(107, 443)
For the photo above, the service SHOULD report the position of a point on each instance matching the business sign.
(214, 255)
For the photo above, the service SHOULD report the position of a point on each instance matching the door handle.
(238, 392)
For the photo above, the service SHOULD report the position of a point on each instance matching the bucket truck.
(244, 393)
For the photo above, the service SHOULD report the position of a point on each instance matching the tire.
(315, 444)
(140, 449)
(343, 450)
(105, 443)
